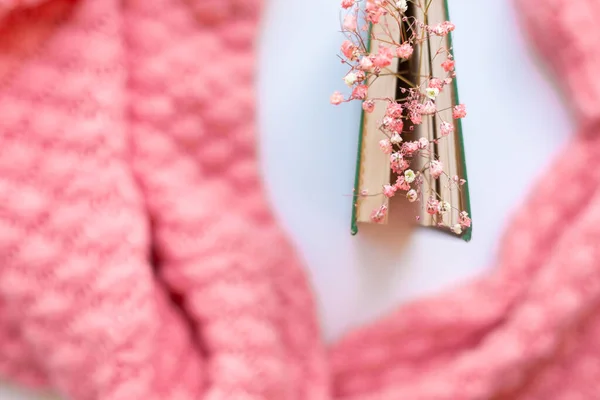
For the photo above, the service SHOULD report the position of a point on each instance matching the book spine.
(467, 233)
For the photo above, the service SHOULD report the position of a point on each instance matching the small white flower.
(396, 138)
(402, 5)
(409, 176)
(457, 229)
(444, 207)
(411, 195)
(350, 79)
(432, 93)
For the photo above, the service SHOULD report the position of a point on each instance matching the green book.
(373, 166)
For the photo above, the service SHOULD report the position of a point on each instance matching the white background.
(516, 123)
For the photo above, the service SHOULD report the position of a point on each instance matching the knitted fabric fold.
(139, 258)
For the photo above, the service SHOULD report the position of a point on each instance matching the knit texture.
(140, 260)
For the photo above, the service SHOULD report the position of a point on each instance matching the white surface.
(515, 124)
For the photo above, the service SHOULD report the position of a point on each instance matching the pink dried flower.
(386, 146)
(395, 157)
(443, 28)
(436, 83)
(415, 117)
(396, 138)
(394, 125)
(401, 183)
(405, 50)
(350, 23)
(389, 191)
(412, 195)
(400, 165)
(436, 169)
(446, 128)
(428, 108)
(378, 215)
(459, 111)
(409, 148)
(336, 98)
(366, 64)
(394, 110)
(364, 193)
(464, 220)
(347, 3)
(349, 50)
(462, 182)
(383, 58)
(360, 92)
(432, 206)
(423, 143)
(374, 10)
(448, 65)
(368, 106)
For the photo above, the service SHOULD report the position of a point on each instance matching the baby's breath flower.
(444, 207)
(350, 23)
(448, 65)
(378, 215)
(412, 195)
(395, 157)
(402, 5)
(436, 169)
(336, 98)
(366, 64)
(432, 92)
(396, 138)
(386, 146)
(446, 128)
(350, 79)
(404, 51)
(428, 108)
(457, 229)
(432, 206)
(389, 190)
(347, 3)
(459, 111)
(403, 113)
(464, 220)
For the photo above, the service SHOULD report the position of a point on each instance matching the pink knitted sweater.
(139, 259)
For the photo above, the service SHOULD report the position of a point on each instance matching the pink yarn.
(140, 260)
